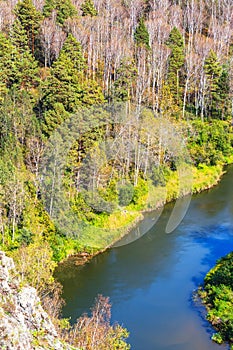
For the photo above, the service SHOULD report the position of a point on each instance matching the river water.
(150, 282)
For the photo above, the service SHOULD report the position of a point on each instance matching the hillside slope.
(23, 322)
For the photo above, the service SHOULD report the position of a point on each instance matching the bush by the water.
(217, 294)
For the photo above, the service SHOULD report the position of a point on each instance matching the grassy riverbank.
(104, 229)
(217, 295)
(96, 238)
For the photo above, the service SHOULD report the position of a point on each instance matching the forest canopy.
(168, 64)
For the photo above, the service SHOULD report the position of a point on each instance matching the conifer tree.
(224, 90)
(29, 19)
(19, 37)
(70, 61)
(215, 80)
(28, 70)
(49, 6)
(64, 84)
(64, 8)
(125, 76)
(175, 63)
(88, 8)
(67, 84)
(53, 118)
(19, 69)
(8, 62)
(213, 70)
(141, 34)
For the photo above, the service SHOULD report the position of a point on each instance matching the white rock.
(24, 325)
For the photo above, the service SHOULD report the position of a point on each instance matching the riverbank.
(153, 279)
(119, 224)
(217, 296)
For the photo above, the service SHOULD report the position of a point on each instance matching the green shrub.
(218, 296)
(126, 193)
(160, 175)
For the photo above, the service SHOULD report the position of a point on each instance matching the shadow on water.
(218, 240)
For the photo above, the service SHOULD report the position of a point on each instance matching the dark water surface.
(150, 282)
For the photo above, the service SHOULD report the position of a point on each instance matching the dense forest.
(165, 67)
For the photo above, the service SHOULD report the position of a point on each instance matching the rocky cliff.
(24, 325)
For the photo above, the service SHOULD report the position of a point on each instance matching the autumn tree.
(51, 37)
(35, 265)
(95, 332)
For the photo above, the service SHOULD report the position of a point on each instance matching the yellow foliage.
(35, 265)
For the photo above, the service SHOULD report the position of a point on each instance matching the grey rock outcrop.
(24, 325)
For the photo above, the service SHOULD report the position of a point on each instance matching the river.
(150, 282)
